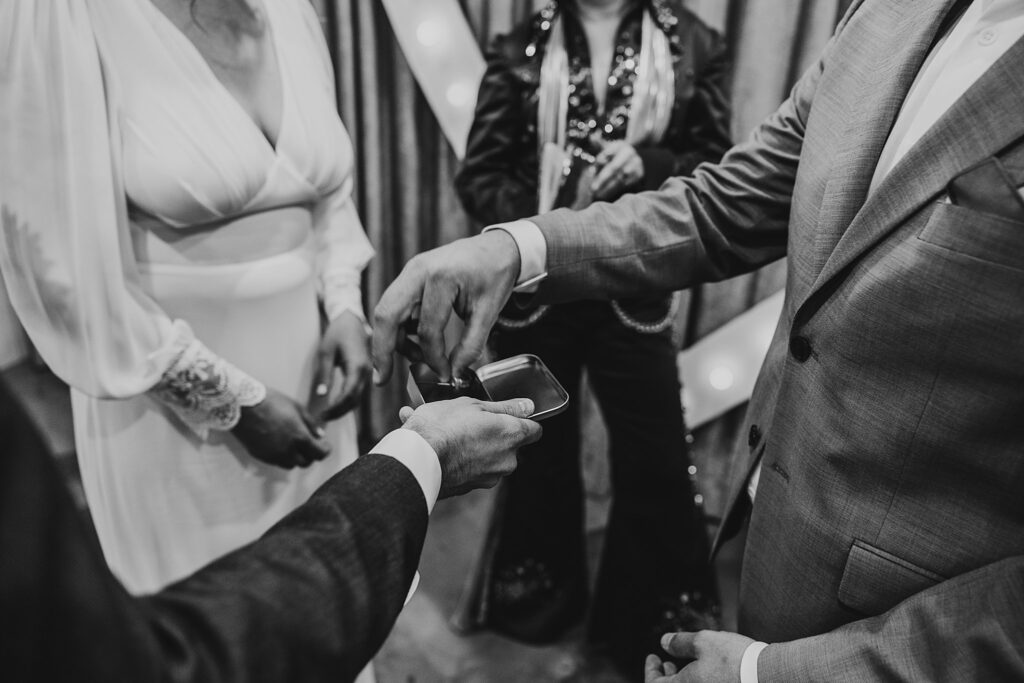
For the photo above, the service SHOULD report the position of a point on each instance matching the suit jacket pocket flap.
(975, 233)
(874, 580)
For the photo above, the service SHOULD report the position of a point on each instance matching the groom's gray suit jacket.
(889, 414)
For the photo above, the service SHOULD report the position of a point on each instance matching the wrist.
(429, 433)
(205, 391)
(350, 317)
(417, 454)
(506, 249)
(531, 250)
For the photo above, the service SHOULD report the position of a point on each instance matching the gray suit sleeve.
(729, 218)
(969, 628)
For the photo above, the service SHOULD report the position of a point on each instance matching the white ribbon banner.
(719, 371)
(443, 55)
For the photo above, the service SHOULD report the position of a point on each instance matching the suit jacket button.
(800, 348)
(754, 437)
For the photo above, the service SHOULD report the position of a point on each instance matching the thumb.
(516, 407)
(680, 645)
(404, 413)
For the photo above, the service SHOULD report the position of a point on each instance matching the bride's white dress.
(141, 152)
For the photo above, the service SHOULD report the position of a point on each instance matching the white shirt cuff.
(413, 451)
(755, 479)
(748, 665)
(533, 252)
(342, 299)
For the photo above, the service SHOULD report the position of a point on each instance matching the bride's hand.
(347, 345)
(280, 432)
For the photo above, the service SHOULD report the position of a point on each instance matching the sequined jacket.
(498, 178)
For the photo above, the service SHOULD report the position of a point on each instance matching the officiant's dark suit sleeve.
(311, 601)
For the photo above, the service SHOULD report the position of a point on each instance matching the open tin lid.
(522, 376)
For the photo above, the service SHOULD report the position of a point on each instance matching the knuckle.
(381, 314)
(416, 262)
(471, 347)
(428, 334)
(515, 435)
(528, 429)
(535, 432)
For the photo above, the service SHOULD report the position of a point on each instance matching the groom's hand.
(476, 441)
(473, 277)
(713, 656)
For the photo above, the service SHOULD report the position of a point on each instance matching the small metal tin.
(522, 376)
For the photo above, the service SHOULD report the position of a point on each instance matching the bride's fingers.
(324, 373)
(315, 444)
(356, 379)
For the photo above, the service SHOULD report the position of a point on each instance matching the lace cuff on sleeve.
(206, 391)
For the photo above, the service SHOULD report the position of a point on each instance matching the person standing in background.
(586, 101)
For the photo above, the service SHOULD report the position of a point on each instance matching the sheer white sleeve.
(343, 250)
(65, 253)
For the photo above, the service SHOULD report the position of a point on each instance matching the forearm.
(313, 599)
(729, 218)
(970, 628)
(343, 251)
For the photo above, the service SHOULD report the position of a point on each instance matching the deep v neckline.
(189, 47)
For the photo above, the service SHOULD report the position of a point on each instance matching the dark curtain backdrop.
(405, 167)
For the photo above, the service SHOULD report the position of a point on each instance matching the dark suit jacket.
(887, 537)
(311, 601)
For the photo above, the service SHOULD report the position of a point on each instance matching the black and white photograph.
(512, 341)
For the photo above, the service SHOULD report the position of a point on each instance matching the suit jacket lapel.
(987, 118)
(885, 82)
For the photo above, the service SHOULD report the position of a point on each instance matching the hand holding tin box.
(523, 376)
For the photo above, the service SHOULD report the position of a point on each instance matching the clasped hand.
(282, 432)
